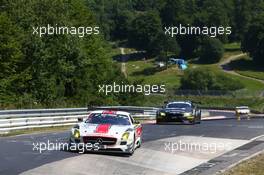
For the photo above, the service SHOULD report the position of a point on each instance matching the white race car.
(242, 110)
(113, 131)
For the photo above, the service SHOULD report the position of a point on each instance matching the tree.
(10, 57)
(122, 22)
(197, 79)
(189, 45)
(164, 45)
(143, 31)
(10, 46)
(53, 68)
(112, 16)
(253, 41)
(242, 18)
(212, 50)
(147, 5)
(174, 12)
(213, 13)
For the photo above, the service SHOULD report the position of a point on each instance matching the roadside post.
(238, 115)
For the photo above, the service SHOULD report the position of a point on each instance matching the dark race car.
(179, 112)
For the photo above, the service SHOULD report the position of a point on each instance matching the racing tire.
(192, 122)
(69, 145)
(132, 150)
(139, 143)
(199, 120)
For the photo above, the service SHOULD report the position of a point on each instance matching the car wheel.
(200, 117)
(70, 144)
(132, 150)
(199, 120)
(139, 143)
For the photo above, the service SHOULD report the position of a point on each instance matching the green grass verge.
(232, 46)
(37, 130)
(253, 166)
(245, 66)
(147, 71)
(256, 104)
(249, 84)
(257, 75)
(228, 54)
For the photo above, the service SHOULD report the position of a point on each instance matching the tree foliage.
(145, 28)
(212, 50)
(68, 69)
(52, 68)
(140, 21)
(206, 79)
(253, 41)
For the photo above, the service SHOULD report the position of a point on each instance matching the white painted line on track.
(215, 110)
(257, 137)
(203, 118)
(214, 117)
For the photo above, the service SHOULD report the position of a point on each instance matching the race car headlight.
(125, 136)
(76, 134)
(162, 114)
(187, 114)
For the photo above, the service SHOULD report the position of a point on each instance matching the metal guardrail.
(37, 118)
(229, 109)
(39, 111)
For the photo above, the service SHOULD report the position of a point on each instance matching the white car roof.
(116, 112)
(242, 107)
(175, 102)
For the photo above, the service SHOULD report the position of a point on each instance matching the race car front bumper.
(100, 145)
(169, 118)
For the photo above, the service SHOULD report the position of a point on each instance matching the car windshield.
(178, 105)
(108, 119)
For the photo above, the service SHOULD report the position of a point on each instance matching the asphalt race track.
(156, 156)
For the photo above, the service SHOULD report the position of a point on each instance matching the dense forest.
(52, 70)
(65, 70)
(141, 23)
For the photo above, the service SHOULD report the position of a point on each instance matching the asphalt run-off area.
(166, 149)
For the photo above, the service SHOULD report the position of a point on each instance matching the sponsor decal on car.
(102, 128)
